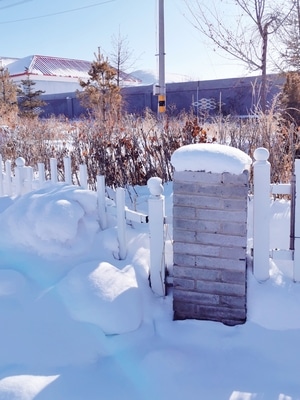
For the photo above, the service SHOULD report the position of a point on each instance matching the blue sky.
(76, 28)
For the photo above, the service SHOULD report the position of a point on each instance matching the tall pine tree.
(30, 104)
(101, 93)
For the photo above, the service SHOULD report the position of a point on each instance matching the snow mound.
(270, 305)
(208, 157)
(57, 219)
(24, 387)
(103, 295)
(12, 283)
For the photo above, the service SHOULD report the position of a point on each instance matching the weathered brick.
(221, 263)
(195, 249)
(221, 191)
(221, 240)
(195, 297)
(196, 177)
(183, 307)
(234, 228)
(184, 212)
(221, 215)
(181, 283)
(238, 253)
(180, 235)
(233, 301)
(234, 276)
(226, 315)
(187, 224)
(197, 201)
(197, 273)
(221, 288)
(184, 260)
(202, 226)
(235, 204)
(241, 179)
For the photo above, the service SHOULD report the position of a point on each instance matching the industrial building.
(59, 79)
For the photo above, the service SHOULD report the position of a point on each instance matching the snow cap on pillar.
(209, 157)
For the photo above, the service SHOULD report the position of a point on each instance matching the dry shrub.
(36, 141)
(130, 152)
(267, 130)
(135, 148)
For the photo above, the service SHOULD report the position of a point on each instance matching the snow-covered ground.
(78, 324)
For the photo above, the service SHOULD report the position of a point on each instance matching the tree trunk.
(264, 69)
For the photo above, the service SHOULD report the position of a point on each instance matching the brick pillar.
(210, 239)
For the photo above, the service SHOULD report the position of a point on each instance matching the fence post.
(28, 179)
(68, 170)
(296, 265)
(261, 214)
(41, 168)
(101, 201)
(121, 220)
(53, 168)
(156, 211)
(83, 176)
(8, 177)
(19, 175)
(1, 177)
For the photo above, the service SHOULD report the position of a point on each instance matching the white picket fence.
(22, 180)
(263, 189)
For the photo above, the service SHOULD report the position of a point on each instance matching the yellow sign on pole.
(161, 103)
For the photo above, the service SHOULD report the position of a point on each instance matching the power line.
(14, 4)
(56, 13)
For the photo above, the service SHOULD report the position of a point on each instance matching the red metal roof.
(50, 66)
(57, 66)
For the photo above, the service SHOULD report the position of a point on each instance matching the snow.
(210, 157)
(77, 323)
(103, 295)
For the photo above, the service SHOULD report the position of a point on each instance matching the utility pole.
(160, 89)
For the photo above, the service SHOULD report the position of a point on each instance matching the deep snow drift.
(79, 324)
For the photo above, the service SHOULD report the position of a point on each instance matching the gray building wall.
(236, 96)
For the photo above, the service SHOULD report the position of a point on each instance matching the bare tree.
(121, 57)
(245, 35)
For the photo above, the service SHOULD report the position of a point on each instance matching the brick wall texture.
(210, 239)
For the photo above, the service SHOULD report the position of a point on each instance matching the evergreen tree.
(8, 96)
(101, 93)
(30, 103)
(290, 38)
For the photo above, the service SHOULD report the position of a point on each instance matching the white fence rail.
(22, 180)
(263, 189)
